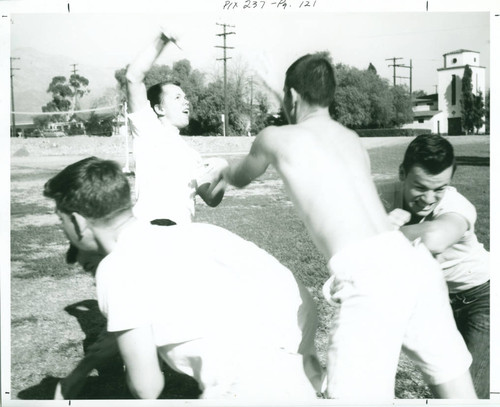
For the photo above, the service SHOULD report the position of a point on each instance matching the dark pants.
(104, 352)
(471, 309)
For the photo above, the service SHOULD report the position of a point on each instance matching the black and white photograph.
(270, 202)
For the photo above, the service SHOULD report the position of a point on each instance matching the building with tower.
(442, 112)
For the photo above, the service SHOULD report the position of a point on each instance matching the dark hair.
(155, 92)
(313, 78)
(92, 187)
(430, 151)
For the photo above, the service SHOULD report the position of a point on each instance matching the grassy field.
(54, 314)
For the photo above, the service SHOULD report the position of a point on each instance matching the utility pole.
(394, 65)
(74, 89)
(410, 67)
(225, 58)
(251, 103)
(12, 96)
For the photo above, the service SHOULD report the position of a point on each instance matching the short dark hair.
(313, 78)
(155, 92)
(431, 152)
(92, 187)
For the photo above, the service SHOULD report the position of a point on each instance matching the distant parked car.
(33, 133)
(54, 133)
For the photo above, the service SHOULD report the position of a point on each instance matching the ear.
(158, 110)
(295, 96)
(80, 224)
(402, 173)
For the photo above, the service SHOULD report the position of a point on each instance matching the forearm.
(235, 175)
(430, 235)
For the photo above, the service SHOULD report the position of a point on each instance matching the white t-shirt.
(208, 294)
(165, 172)
(466, 263)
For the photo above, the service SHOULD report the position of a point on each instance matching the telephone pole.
(225, 58)
(394, 65)
(74, 88)
(13, 109)
(251, 103)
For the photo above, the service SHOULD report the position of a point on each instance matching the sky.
(109, 34)
(112, 39)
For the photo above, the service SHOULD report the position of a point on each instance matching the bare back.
(326, 172)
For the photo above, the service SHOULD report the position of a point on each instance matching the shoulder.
(455, 202)
(143, 117)
(390, 193)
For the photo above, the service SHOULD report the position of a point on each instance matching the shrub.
(391, 132)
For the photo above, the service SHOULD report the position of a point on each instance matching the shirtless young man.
(389, 293)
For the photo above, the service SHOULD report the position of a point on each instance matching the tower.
(450, 86)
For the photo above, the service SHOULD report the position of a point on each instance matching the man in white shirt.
(168, 176)
(207, 302)
(424, 206)
(169, 173)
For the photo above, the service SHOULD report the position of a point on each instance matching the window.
(453, 89)
(454, 60)
(420, 120)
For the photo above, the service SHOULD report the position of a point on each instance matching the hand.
(211, 183)
(168, 36)
(399, 217)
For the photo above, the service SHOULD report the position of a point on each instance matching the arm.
(252, 166)
(136, 72)
(438, 234)
(144, 377)
(210, 181)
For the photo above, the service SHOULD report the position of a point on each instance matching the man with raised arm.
(169, 173)
(389, 293)
(424, 205)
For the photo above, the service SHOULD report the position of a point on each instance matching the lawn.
(53, 307)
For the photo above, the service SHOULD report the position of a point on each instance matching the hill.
(36, 70)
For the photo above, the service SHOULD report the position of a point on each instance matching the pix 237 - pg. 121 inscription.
(262, 4)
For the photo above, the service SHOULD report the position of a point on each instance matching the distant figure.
(389, 294)
(424, 206)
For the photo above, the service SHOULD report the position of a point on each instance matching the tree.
(467, 101)
(362, 99)
(478, 112)
(63, 94)
(41, 121)
(419, 93)
(403, 112)
(487, 112)
(372, 69)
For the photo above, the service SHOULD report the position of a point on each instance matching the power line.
(225, 58)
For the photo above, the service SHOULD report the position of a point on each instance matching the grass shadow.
(110, 382)
(472, 160)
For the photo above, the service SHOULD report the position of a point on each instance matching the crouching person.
(203, 300)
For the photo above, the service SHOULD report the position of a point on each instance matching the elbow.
(433, 242)
(131, 76)
(147, 391)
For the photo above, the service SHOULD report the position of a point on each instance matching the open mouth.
(426, 208)
(185, 111)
